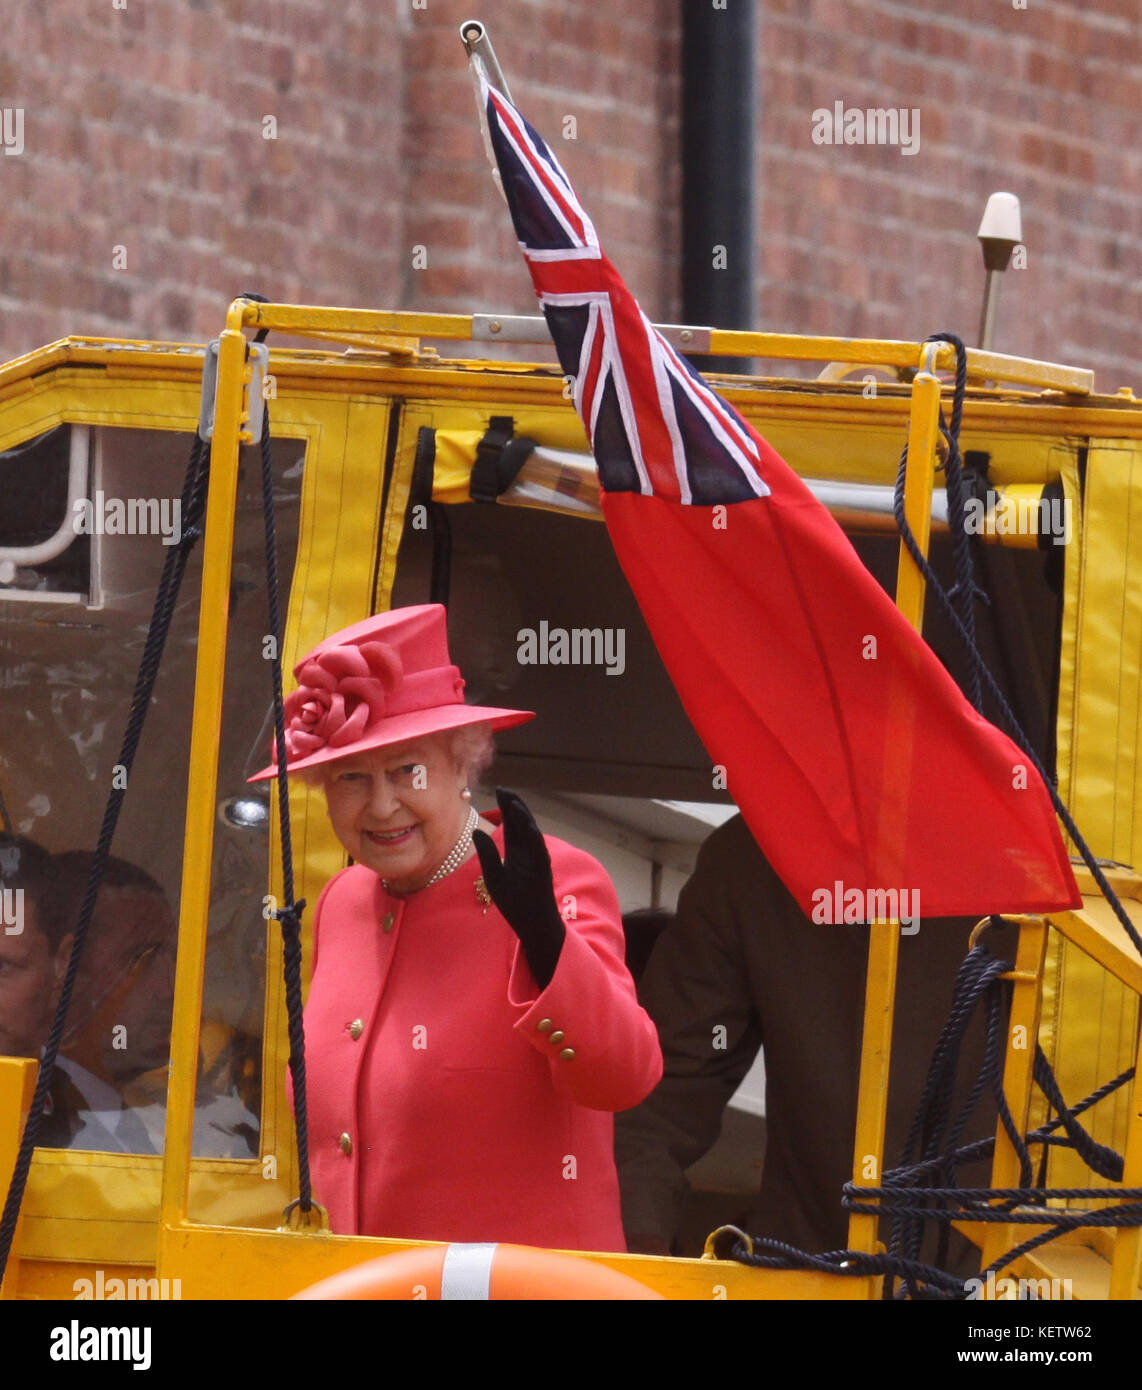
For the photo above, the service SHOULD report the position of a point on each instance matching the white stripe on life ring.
(467, 1272)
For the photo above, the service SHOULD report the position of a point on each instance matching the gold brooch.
(482, 893)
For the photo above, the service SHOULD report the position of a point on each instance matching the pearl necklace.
(457, 856)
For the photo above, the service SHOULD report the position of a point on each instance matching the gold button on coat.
(356, 1028)
(557, 1036)
(387, 922)
(544, 1025)
(346, 1145)
(568, 1054)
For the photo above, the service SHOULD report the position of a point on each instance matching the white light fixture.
(1000, 232)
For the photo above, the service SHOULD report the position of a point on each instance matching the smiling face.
(399, 811)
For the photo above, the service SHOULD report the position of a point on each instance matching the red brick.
(144, 128)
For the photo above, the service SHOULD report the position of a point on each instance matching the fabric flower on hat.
(341, 693)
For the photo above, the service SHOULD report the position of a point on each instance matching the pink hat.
(380, 682)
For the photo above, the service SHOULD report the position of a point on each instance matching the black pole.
(719, 110)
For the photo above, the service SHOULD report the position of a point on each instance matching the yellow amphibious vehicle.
(374, 435)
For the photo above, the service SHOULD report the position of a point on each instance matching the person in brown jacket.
(741, 968)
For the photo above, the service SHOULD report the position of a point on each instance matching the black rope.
(983, 1148)
(1072, 1221)
(881, 1201)
(934, 1136)
(853, 1263)
(975, 975)
(1106, 1159)
(991, 1070)
(926, 1131)
(991, 1067)
(977, 982)
(290, 915)
(1097, 1157)
(980, 671)
(908, 1204)
(965, 588)
(192, 506)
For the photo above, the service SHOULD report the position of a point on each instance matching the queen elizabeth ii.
(471, 1026)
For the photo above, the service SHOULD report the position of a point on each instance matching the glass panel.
(34, 480)
(64, 696)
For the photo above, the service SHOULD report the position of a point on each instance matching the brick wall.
(611, 69)
(1043, 102)
(144, 129)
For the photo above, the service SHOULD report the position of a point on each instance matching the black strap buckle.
(499, 457)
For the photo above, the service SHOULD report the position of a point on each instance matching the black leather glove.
(521, 885)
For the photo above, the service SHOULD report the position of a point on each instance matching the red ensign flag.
(851, 752)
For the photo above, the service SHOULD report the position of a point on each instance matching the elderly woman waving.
(470, 1026)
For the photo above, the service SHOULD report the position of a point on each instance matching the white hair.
(473, 749)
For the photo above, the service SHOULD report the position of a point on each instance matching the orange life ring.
(478, 1272)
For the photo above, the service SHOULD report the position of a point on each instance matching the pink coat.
(470, 1106)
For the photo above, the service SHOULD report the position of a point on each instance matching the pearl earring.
(466, 794)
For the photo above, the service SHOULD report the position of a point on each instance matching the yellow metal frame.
(884, 937)
(386, 360)
(231, 416)
(122, 1225)
(379, 328)
(17, 1082)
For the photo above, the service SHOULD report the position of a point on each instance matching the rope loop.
(290, 915)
